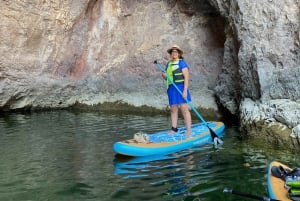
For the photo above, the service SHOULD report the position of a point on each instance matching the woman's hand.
(184, 94)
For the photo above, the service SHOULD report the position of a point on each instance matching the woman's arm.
(186, 76)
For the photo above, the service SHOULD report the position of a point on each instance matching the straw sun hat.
(175, 47)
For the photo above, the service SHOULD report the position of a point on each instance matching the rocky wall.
(261, 70)
(58, 53)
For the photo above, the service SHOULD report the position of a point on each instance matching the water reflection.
(54, 155)
(131, 166)
(176, 173)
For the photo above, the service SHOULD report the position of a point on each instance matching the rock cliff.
(244, 54)
(261, 70)
(58, 53)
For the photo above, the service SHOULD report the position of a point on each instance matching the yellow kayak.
(276, 185)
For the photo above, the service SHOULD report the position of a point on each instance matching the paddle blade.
(214, 136)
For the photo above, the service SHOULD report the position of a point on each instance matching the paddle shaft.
(256, 197)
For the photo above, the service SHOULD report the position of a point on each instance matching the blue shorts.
(175, 97)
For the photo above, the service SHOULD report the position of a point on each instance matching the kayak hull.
(165, 143)
(276, 187)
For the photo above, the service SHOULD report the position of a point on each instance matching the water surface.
(64, 156)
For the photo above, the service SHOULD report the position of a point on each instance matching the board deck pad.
(165, 136)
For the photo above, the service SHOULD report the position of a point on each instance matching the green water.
(68, 156)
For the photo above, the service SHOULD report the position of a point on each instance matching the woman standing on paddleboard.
(178, 71)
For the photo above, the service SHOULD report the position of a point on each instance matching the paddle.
(256, 197)
(214, 136)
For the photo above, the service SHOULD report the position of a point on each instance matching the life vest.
(174, 73)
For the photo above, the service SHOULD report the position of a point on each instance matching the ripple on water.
(66, 155)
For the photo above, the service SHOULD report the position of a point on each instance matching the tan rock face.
(32, 32)
(56, 53)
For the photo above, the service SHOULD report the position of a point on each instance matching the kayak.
(164, 143)
(283, 182)
(276, 185)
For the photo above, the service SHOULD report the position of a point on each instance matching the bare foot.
(188, 134)
(173, 130)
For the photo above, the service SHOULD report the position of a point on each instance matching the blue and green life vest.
(175, 72)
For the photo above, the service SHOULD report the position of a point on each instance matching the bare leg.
(187, 118)
(174, 115)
